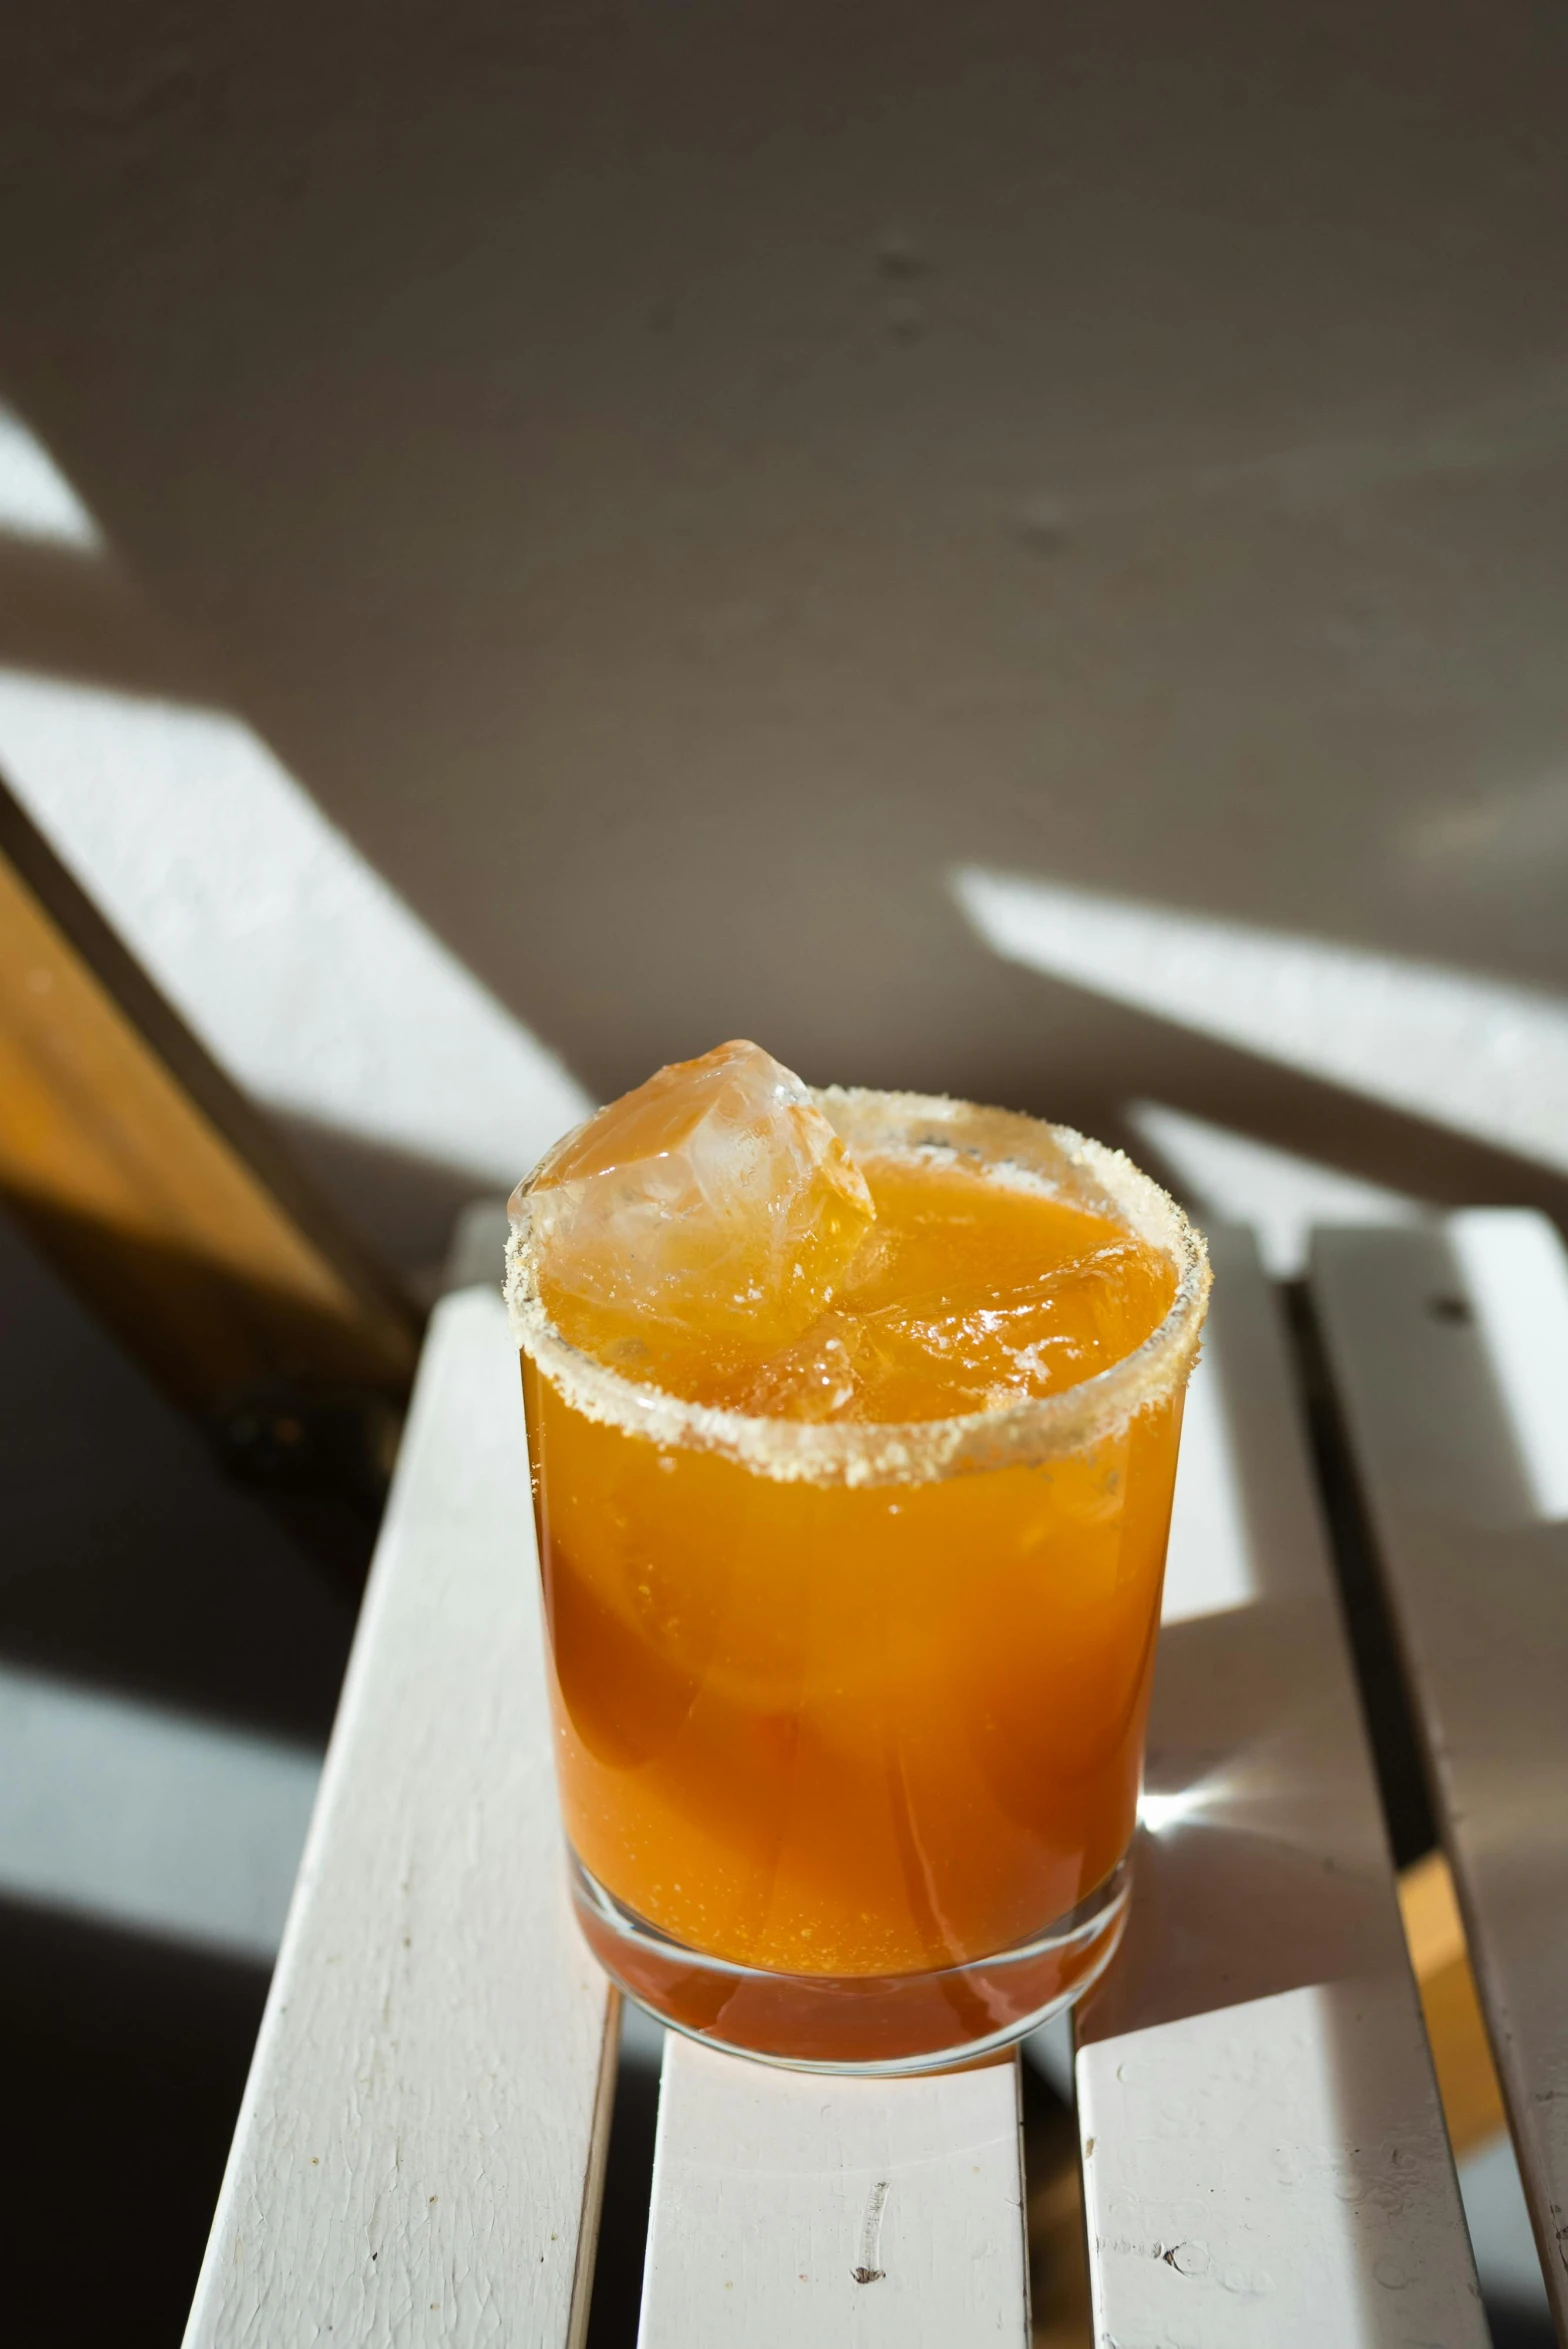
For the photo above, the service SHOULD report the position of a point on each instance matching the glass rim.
(922, 1451)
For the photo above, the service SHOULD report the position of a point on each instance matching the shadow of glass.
(1260, 2014)
(1267, 1884)
(1269, 1870)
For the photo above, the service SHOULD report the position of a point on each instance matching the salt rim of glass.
(854, 1452)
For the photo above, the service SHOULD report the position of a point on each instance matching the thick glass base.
(855, 2023)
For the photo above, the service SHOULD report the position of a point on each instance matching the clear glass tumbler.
(849, 1718)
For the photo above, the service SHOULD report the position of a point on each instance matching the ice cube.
(816, 1378)
(715, 1200)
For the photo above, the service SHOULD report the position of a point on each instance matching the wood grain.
(796, 2211)
(419, 2149)
(1264, 2151)
(1449, 1345)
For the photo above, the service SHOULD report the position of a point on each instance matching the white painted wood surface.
(795, 2211)
(1450, 1353)
(418, 2153)
(1265, 2160)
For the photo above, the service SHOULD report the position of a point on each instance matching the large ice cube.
(715, 1199)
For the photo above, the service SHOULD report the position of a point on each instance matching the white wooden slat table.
(419, 2151)
(1264, 2153)
(422, 2136)
(419, 2148)
(795, 2211)
(1449, 1346)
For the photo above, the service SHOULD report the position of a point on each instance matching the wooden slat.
(1450, 2006)
(1264, 2154)
(151, 1181)
(1450, 1349)
(419, 2149)
(797, 2211)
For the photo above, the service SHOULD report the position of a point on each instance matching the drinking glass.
(849, 1718)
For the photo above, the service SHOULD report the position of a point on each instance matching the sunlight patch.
(304, 973)
(1479, 1056)
(36, 500)
(1282, 1196)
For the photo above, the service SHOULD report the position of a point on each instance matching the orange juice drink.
(853, 1421)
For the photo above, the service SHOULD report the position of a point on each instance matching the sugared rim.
(850, 1452)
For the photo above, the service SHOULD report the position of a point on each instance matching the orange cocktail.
(852, 1501)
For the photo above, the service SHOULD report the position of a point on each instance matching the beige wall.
(673, 481)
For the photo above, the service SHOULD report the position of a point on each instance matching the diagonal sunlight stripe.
(1478, 1056)
(1284, 1197)
(303, 972)
(133, 1816)
(1516, 1273)
(1210, 1566)
(36, 500)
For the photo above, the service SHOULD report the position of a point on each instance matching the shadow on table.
(124, 2061)
(628, 2185)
